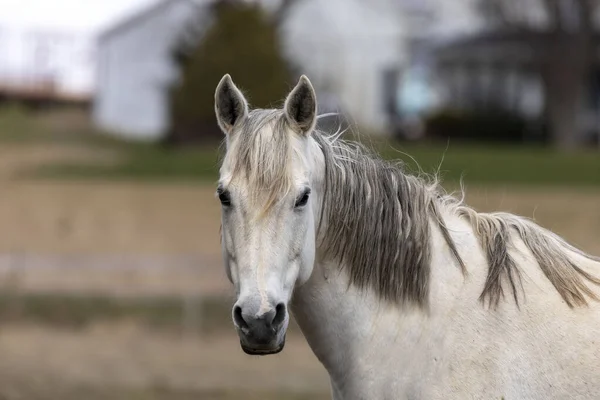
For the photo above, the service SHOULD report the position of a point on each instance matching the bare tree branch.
(563, 54)
(587, 15)
(552, 10)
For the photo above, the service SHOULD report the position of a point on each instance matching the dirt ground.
(121, 238)
(134, 358)
(172, 230)
(124, 238)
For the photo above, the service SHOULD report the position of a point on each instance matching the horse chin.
(263, 351)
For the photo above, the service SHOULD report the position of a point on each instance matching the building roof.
(508, 46)
(500, 37)
(136, 17)
(157, 7)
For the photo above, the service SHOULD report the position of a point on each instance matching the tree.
(242, 41)
(561, 38)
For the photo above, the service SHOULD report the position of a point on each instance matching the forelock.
(260, 153)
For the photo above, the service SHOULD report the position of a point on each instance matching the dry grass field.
(123, 239)
(164, 238)
(127, 359)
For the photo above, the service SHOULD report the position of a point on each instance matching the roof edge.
(133, 17)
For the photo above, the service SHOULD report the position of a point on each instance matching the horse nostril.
(260, 328)
(279, 315)
(239, 319)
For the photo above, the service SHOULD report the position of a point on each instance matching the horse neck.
(331, 317)
(354, 332)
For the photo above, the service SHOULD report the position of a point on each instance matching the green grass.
(503, 164)
(65, 127)
(142, 163)
(478, 164)
(19, 126)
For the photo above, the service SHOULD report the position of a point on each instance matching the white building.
(135, 70)
(347, 47)
(351, 50)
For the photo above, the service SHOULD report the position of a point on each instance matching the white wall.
(350, 42)
(456, 17)
(135, 71)
(346, 45)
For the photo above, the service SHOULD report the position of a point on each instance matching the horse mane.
(382, 232)
(376, 220)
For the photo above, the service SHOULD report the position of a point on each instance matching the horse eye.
(302, 200)
(224, 197)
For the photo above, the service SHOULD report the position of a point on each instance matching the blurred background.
(111, 282)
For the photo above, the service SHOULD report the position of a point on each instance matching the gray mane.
(377, 221)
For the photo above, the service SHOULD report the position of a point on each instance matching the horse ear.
(230, 104)
(301, 106)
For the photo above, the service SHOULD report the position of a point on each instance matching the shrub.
(243, 42)
(491, 125)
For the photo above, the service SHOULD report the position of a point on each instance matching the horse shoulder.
(539, 346)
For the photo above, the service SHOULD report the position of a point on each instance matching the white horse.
(401, 290)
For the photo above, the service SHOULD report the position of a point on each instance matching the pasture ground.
(111, 285)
